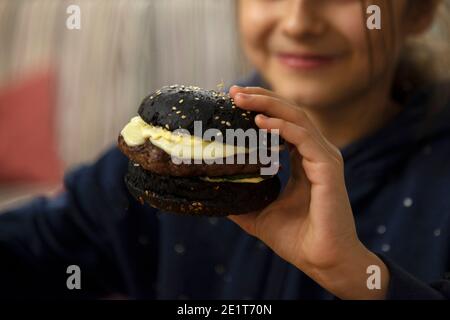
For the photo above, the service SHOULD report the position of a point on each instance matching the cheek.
(353, 31)
(372, 50)
(368, 58)
(255, 27)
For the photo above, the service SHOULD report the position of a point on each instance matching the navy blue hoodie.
(398, 180)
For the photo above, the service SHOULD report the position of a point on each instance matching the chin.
(321, 92)
(304, 94)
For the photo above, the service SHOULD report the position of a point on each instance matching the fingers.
(252, 90)
(268, 103)
(322, 166)
(308, 147)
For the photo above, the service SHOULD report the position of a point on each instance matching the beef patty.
(156, 160)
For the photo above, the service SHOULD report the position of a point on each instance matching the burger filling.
(137, 131)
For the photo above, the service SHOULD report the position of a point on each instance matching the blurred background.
(65, 94)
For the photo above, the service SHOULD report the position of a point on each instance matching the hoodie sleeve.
(39, 241)
(404, 286)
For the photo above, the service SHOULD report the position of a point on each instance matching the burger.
(169, 168)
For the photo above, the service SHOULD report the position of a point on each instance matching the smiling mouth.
(305, 61)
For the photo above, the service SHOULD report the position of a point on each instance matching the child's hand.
(311, 223)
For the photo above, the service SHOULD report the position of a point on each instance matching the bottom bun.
(218, 205)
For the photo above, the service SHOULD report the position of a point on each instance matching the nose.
(303, 19)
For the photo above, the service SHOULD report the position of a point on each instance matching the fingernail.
(261, 116)
(242, 96)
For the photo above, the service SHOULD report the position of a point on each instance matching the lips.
(305, 61)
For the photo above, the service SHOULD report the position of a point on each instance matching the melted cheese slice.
(243, 180)
(137, 132)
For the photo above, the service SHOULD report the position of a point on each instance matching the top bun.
(178, 106)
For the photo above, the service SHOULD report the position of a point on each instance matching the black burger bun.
(191, 195)
(177, 107)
